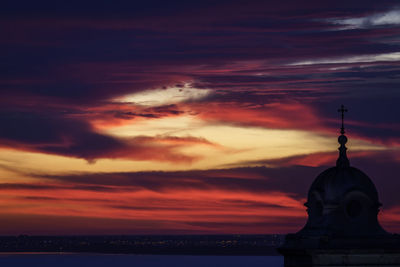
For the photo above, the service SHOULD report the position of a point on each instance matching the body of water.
(106, 260)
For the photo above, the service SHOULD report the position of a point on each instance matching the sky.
(191, 117)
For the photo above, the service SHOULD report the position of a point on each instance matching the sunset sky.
(191, 117)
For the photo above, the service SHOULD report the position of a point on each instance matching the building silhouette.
(342, 227)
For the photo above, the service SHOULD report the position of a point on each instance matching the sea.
(115, 260)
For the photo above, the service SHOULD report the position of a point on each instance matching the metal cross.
(342, 110)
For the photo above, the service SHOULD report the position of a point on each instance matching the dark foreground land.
(182, 244)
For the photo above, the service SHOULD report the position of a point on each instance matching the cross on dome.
(342, 110)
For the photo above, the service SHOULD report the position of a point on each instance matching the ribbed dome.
(335, 183)
(342, 207)
(342, 201)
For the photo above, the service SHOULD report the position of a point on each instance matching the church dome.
(333, 184)
(342, 200)
(342, 228)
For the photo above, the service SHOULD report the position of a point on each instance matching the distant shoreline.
(196, 245)
(100, 253)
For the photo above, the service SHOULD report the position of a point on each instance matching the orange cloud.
(277, 115)
(190, 210)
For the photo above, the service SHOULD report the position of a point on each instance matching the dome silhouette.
(342, 201)
(342, 228)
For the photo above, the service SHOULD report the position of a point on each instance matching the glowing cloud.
(167, 96)
(354, 59)
(386, 18)
(242, 144)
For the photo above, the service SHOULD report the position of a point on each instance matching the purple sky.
(112, 112)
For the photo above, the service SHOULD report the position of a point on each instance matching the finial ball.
(342, 139)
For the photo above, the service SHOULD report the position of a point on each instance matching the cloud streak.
(389, 18)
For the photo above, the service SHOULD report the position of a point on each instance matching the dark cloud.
(57, 134)
(285, 180)
(44, 187)
(24, 186)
